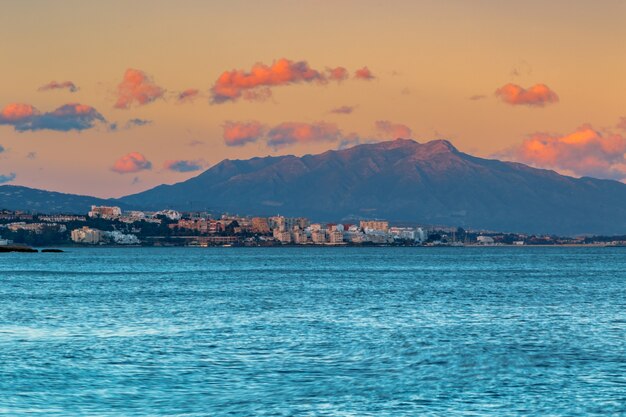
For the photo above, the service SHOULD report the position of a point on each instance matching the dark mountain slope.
(29, 199)
(402, 180)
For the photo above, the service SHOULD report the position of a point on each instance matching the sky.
(112, 98)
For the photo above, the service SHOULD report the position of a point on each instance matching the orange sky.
(169, 88)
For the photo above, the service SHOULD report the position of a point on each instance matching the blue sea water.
(314, 332)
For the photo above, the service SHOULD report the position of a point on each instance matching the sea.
(314, 331)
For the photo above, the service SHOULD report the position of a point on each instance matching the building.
(335, 237)
(133, 216)
(485, 240)
(260, 225)
(420, 235)
(87, 235)
(377, 225)
(61, 218)
(199, 225)
(105, 212)
(318, 236)
(277, 223)
(217, 240)
(120, 238)
(356, 237)
(300, 237)
(403, 233)
(169, 214)
(287, 223)
(217, 226)
(283, 236)
(29, 227)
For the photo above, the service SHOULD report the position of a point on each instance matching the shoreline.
(20, 248)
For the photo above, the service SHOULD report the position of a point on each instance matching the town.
(109, 225)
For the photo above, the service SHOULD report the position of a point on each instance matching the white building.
(170, 214)
(87, 235)
(402, 233)
(420, 235)
(120, 238)
(485, 240)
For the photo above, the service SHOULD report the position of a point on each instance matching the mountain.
(29, 199)
(404, 181)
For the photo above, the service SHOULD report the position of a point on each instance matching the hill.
(402, 180)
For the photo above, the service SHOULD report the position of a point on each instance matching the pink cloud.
(188, 95)
(284, 134)
(138, 88)
(53, 85)
(622, 123)
(17, 112)
(132, 162)
(337, 74)
(290, 133)
(393, 130)
(242, 133)
(538, 95)
(364, 74)
(231, 85)
(343, 110)
(584, 152)
(72, 116)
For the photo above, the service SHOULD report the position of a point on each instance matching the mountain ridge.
(402, 181)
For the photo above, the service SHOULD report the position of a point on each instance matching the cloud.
(182, 165)
(538, 95)
(477, 97)
(31, 155)
(254, 84)
(2, 149)
(242, 133)
(65, 85)
(188, 95)
(4, 178)
(584, 152)
(364, 74)
(137, 122)
(72, 116)
(290, 133)
(284, 134)
(138, 88)
(622, 123)
(337, 74)
(343, 110)
(195, 142)
(131, 123)
(16, 113)
(132, 162)
(393, 130)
